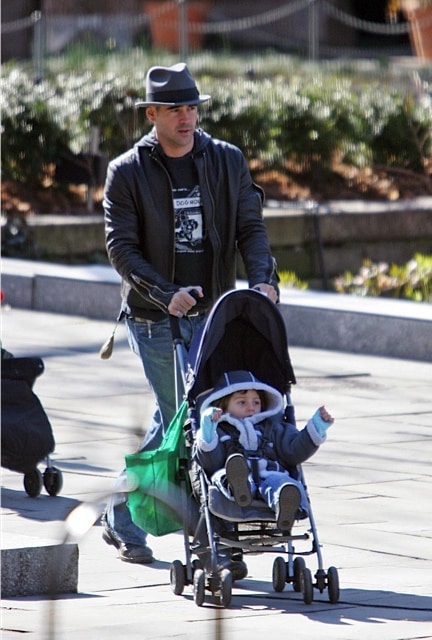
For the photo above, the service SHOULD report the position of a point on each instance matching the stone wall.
(311, 241)
(333, 238)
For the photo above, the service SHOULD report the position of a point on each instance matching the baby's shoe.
(302, 514)
(287, 507)
(237, 473)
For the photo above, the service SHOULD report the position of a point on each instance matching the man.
(177, 206)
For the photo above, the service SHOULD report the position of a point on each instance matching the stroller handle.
(180, 363)
(174, 321)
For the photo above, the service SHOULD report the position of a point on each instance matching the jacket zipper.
(218, 244)
(161, 164)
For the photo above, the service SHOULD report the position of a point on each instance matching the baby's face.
(243, 404)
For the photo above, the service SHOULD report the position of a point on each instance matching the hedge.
(281, 112)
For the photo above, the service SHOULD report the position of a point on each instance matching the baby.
(249, 450)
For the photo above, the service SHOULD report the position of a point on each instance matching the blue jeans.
(153, 343)
(268, 488)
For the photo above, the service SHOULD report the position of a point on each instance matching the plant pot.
(420, 21)
(164, 23)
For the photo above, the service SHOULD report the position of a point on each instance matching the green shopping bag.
(156, 502)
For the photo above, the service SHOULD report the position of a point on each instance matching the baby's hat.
(232, 381)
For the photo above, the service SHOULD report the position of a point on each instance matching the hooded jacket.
(139, 222)
(265, 435)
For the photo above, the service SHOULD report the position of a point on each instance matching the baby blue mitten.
(208, 426)
(320, 425)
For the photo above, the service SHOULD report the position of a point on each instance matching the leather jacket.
(139, 222)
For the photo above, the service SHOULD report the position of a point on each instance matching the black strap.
(266, 437)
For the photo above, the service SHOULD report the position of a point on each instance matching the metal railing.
(133, 22)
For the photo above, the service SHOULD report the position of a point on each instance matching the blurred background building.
(313, 28)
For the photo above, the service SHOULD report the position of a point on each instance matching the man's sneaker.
(287, 507)
(302, 514)
(237, 473)
(137, 553)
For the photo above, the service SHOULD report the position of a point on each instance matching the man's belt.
(189, 314)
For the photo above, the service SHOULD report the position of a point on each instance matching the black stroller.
(245, 330)
(26, 437)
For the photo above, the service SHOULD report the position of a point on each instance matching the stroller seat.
(222, 507)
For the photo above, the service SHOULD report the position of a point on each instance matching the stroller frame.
(256, 531)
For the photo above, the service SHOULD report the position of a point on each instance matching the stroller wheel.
(33, 483)
(333, 584)
(279, 574)
(199, 587)
(177, 577)
(299, 565)
(306, 585)
(225, 587)
(196, 564)
(53, 480)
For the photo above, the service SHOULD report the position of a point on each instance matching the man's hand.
(182, 301)
(267, 290)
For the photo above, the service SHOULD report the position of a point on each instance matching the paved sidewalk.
(369, 485)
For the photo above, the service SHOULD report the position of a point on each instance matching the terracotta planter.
(420, 21)
(164, 23)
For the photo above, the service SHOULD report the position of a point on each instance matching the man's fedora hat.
(171, 87)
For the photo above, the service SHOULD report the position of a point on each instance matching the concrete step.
(375, 326)
(32, 568)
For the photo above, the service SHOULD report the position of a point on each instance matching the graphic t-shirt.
(193, 253)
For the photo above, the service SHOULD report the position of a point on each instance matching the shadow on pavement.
(43, 508)
(355, 605)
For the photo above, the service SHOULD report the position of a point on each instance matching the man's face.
(175, 127)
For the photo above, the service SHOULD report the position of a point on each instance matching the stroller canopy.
(244, 330)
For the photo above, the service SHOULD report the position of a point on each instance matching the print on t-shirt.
(188, 220)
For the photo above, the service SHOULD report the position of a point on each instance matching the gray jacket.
(266, 435)
(286, 446)
(139, 222)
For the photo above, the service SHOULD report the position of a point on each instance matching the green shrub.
(284, 114)
(291, 280)
(412, 281)
(117, 119)
(405, 139)
(31, 137)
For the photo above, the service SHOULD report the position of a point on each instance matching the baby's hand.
(209, 420)
(216, 414)
(324, 414)
(322, 420)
